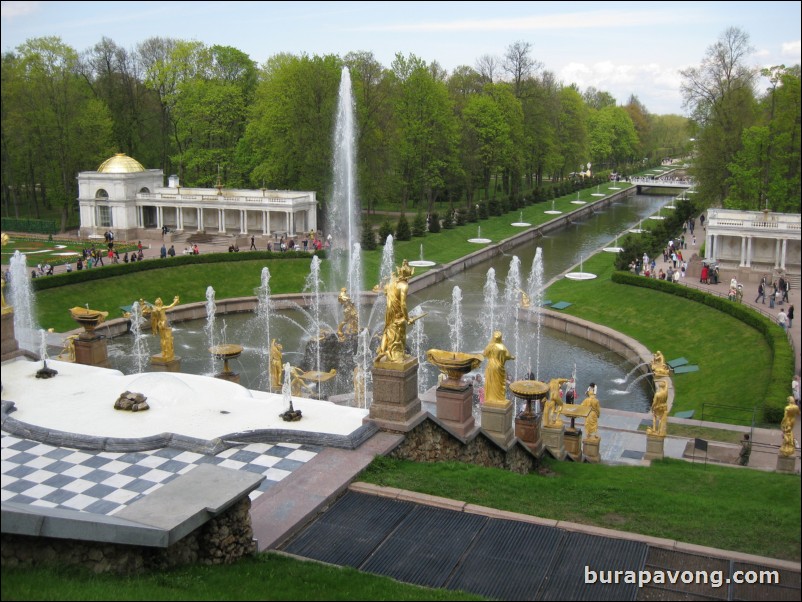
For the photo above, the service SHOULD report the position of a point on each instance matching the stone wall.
(222, 540)
(429, 442)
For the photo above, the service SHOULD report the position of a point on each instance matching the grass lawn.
(264, 577)
(729, 508)
(729, 382)
(54, 252)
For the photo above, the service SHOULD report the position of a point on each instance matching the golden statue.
(659, 366)
(592, 421)
(392, 347)
(526, 302)
(68, 351)
(788, 446)
(160, 326)
(298, 385)
(659, 426)
(276, 366)
(350, 324)
(554, 406)
(495, 372)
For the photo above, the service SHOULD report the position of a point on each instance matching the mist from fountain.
(630, 385)
(455, 319)
(263, 311)
(621, 381)
(343, 211)
(355, 277)
(312, 286)
(211, 310)
(512, 289)
(23, 300)
(363, 360)
(140, 350)
(419, 344)
(534, 287)
(491, 301)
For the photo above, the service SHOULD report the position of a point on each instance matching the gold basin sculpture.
(529, 391)
(226, 352)
(88, 318)
(454, 364)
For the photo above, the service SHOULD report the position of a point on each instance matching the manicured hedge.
(782, 369)
(118, 269)
(33, 226)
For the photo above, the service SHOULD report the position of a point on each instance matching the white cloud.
(9, 10)
(792, 49)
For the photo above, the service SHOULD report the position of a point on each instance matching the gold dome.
(120, 163)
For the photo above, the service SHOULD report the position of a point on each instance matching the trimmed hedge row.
(782, 369)
(119, 269)
(33, 226)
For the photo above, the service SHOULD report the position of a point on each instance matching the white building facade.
(124, 197)
(754, 243)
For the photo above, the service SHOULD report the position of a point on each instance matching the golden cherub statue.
(276, 366)
(592, 421)
(160, 326)
(659, 365)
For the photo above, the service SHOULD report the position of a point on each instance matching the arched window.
(144, 190)
(101, 194)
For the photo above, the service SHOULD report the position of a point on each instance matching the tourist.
(133, 257)
(171, 252)
(253, 244)
(125, 257)
(790, 314)
(163, 252)
(69, 268)
(140, 255)
(761, 291)
(139, 246)
(80, 265)
(195, 249)
(795, 385)
(782, 320)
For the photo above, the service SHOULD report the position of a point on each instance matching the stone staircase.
(201, 238)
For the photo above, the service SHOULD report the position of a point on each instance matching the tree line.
(424, 135)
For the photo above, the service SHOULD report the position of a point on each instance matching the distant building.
(754, 243)
(124, 197)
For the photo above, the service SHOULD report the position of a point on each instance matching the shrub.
(434, 223)
(463, 217)
(448, 220)
(385, 230)
(419, 225)
(368, 236)
(483, 211)
(402, 230)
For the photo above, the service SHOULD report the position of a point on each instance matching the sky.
(621, 47)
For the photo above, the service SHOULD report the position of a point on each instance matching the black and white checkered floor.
(105, 482)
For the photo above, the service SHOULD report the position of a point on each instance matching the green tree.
(402, 230)
(368, 239)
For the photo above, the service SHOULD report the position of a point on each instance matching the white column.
(708, 245)
(221, 220)
(242, 220)
(292, 223)
(140, 216)
(743, 252)
(777, 253)
(749, 252)
(715, 246)
(199, 218)
(784, 251)
(180, 213)
(159, 217)
(264, 222)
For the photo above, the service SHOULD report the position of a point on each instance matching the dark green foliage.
(495, 207)
(402, 230)
(483, 211)
(419, 225)
(434, 223)
(783, 366)
(448, 220)
(368, 236)
(464, 217)
(118, 269)
(33, 226)
(385, 230)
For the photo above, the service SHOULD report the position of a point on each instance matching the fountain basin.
(88, 318)
(422, 263)
(454, 364)
(613, 249)
(481, 241)
(553, 212)
(521, 224)
(578, 202)
(580, 276)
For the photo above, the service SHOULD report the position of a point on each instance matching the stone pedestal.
(159, 364)
(497, 423)
(786, 464)
(572, 439)
(395, 405)
(590, 447)
(91, 350)
(454, 408)
(553, 439)
(232, 377)
(527, 429)
(654, 447)
(9, 345)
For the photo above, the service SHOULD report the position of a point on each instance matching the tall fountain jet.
(343, 211)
